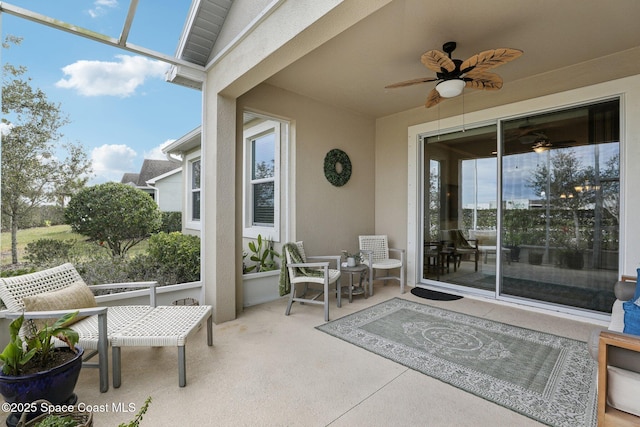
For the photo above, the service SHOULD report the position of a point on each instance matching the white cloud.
(101, 6)
(121, 78)
(156, 152)
(110, 162)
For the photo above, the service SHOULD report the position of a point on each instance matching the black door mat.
(434, 295)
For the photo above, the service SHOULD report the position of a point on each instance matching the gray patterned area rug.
(543, 376)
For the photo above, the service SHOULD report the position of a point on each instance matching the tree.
(31, 169)
(113, 214)
(562, 181)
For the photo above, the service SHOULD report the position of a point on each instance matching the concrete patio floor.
(268, 369)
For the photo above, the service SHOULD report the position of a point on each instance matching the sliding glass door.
(460, 199)
(554, 230)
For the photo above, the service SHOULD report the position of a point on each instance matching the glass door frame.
(419, 150)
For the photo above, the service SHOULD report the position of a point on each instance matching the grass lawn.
(57, 232)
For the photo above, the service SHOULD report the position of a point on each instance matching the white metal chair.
(378, 247)
(300, 273)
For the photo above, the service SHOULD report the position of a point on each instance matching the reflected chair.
(299, 273)
(462, 247)
(433, 259)
(378, 247)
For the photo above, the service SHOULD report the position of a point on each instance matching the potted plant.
(353, 259)
(572, 247)
(263, 255)
(33, 368)
(260, 280)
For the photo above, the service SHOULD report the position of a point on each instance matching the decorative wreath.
(331, 161)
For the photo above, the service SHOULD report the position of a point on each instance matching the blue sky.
(119, 105)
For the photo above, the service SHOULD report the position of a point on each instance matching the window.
(262, 179)
(194, 196)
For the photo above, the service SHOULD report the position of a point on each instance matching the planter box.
(258, 288)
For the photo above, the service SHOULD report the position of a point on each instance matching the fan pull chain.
(463, 125)
(438, 122)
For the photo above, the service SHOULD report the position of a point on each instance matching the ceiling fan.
(453, 74)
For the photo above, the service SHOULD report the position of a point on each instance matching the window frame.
(251, 133)
(190, 222)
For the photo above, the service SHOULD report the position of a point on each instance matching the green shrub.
(115, 215)
(177, 254)
(171, 221)
(11, 272)
(48, 252)
(143, 267)
(103, 269)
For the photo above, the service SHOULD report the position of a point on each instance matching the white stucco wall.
(169, 194)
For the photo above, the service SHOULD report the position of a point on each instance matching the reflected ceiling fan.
(540, 142)
(453, 74)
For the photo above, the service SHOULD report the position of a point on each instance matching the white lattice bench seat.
(48, 293)
(164, 326)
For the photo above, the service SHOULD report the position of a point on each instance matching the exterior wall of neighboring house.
(169, 190)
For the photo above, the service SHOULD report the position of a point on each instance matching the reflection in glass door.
(460, 218)
(558, 211)
(561, 206)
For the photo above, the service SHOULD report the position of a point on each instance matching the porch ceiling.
(352, 69)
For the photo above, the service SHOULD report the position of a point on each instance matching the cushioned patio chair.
(378, 246)
(49, 293)
(298, 274)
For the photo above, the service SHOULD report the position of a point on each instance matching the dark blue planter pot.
(55, 385)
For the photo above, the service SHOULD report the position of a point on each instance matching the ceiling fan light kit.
(454, 74)
(450, 88)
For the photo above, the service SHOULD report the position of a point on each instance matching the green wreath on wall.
(332, 161)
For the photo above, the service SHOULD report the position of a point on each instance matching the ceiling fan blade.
(433, 98)
(437, 61)
(483, 81)
(411, 82)
(490, 59)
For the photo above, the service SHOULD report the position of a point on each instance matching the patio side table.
(362, 270)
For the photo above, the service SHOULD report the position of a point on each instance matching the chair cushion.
(631, 317)
(623, 390)
(333, 276)
(617, 317)
(387, 264)
(77, 295)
